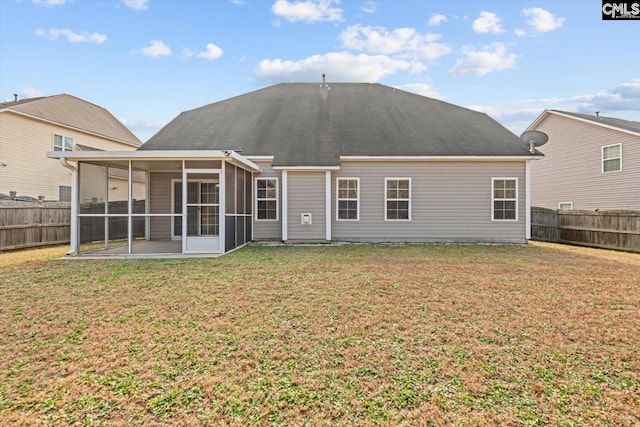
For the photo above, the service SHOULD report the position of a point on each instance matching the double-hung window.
(348, 195)
(612, 158)
(397, 199)
(62, 143)
(267, 199)
(504, 199)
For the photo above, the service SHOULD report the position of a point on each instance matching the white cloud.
(424, 89)
(436, 19)
(542, 20)
(307, 11)
(493, 57)
(488, 22)
(55, 33)
(155, 49)
(51, 3)
(622, 101)
(212, 52)
(369, 7)
(401, 41)
(339, 67)
(29, 92)
(136, 4)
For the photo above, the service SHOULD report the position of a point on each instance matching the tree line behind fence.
(29, 224)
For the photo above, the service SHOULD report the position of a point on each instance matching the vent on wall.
(305, 219)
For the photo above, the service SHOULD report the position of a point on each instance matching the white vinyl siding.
(397, 202)
(612, 158)
(348, 199)
(504, 199)
(267, 199)
(572, 167)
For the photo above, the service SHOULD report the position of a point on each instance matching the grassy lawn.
(343, 335)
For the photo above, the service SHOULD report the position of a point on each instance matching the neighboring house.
(31, 127)
(305, 162)
(591, 162)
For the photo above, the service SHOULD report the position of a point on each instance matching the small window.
(612, 158)
(62, 143)
(397, 199)
(565, 206)
(267, 199)
(348, 199)
(64, 193)
(504, 199)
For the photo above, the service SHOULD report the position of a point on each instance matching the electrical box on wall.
(305, 219)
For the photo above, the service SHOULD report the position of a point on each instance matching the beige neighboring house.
(31, 127)
(591, 162)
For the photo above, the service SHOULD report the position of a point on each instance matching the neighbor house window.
(565, 206)
(612, 158)
(64, 193)
(267, 199)
(504, 199)
(397, 199)
(348, 195)
(62, 143)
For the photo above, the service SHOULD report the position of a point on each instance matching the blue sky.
(148, 60)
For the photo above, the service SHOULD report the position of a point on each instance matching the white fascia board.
(437, 158)
(62, 125)
(307, 168)
(542, 116)
(154, 155)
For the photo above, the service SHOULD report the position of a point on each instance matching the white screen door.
(202, 222)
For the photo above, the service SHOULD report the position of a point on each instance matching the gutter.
(73, 237)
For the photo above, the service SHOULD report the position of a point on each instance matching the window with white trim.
(62, 143)
(504, 199)
(348, 199)
(612, 158)
(266, 199)
(397, 199)
(565, 206)
(64, 193)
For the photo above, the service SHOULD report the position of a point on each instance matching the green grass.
(347, 335)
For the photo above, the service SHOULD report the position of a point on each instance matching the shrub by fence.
(29, 224)
(601, 229)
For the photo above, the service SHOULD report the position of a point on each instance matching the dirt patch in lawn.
(358, 334)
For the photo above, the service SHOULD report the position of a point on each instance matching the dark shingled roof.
(309, 124)
(610, 121)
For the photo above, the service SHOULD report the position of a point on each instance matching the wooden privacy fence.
(601, 229)
(29, 224)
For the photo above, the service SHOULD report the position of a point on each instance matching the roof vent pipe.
(15, 97)
(323, 81)
(598, 115)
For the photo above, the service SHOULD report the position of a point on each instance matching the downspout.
(73, 232)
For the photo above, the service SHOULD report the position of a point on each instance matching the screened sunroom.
(159, 202)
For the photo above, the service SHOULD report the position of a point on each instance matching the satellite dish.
(534, 138)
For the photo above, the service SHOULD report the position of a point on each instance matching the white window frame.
(386, 198)
(570, 204)
(339, 199)
(64, 140)
(276, 199)
(613, 158)
(494, 199)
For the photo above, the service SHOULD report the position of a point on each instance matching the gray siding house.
(591, 162)
(306, 162)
